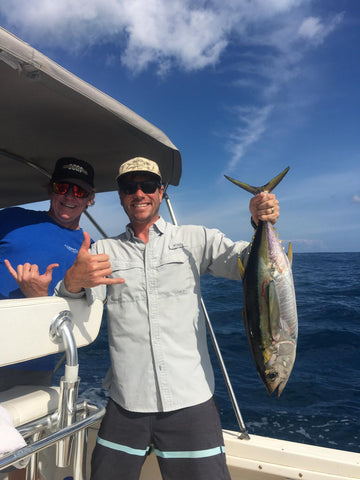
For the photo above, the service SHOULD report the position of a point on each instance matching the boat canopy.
(46, 113)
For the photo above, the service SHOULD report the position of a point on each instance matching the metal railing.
(88, 414)
(66, 426)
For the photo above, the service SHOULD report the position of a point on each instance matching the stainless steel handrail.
(54, 437)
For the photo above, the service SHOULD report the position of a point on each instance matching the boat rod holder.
(244, 434)
(61, 331)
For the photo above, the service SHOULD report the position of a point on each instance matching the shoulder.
(193, 233)
(21, 217)
(23, 212)
(14, 212)
(106, 245)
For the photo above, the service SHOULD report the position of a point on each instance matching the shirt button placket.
(151, 275)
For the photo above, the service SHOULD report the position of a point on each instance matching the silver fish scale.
(270, 316)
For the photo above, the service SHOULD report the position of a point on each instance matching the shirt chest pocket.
(175, 271)
(134, 287)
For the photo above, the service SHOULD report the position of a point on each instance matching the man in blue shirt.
(46, 242)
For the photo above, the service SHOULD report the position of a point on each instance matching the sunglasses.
(147, 186)
(62, 188)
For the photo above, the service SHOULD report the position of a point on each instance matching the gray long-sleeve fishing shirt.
(157, 330)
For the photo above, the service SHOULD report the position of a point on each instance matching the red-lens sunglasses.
(61, 188)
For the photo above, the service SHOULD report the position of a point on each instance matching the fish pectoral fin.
(241, 267)
(290, 254)
(274, 310)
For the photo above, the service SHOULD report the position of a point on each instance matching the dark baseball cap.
(73, 170)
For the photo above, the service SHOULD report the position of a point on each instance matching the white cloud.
(310, 27)
(314, 29)
(189, 35)
(252, 124)
(356, 198)
(308, 245)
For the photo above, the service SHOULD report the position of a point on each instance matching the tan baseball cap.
(139, 164)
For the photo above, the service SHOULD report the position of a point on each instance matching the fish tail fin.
(265, 188)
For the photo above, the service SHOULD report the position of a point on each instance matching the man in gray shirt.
(161, 381)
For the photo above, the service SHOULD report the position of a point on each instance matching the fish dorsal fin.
(265, 188)
(290, 254)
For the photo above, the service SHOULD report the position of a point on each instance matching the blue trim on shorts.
(122, 448)
(210, 452)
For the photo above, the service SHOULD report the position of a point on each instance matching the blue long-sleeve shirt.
(32, 236)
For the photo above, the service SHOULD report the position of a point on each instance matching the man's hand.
(31, 283)
(89, 270)
(264, 206)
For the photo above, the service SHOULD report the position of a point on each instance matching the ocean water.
(321, 401)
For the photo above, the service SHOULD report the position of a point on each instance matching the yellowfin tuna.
(269, 313)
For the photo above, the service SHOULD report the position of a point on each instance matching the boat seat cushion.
(26, 403)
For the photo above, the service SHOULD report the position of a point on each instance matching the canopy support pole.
(244, 435)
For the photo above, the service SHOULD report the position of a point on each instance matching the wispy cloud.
(356, 198)
(252, 124)
(189, 35)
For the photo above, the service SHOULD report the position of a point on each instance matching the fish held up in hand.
(270, 313)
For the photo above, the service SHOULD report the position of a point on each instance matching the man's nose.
(70, 193)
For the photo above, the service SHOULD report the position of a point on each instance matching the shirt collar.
(159, 226)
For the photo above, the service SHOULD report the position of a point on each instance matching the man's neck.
(141, 230)
(74, 225)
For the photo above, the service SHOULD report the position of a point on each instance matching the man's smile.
(67, 205)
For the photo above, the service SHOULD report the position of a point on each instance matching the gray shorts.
(188, 443)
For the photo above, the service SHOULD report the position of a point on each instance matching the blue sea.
(321, 401)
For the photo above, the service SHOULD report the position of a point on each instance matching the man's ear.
(91, 199)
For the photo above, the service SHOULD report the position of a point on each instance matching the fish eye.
(272, 375)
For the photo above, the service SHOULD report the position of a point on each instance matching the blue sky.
(243, 88)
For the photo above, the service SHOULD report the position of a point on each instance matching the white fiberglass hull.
(264, 458)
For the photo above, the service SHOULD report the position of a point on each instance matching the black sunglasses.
(61, 188)
(147, 186)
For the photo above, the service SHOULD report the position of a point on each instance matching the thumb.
(86, 243)
(10, 268)
(50, 268)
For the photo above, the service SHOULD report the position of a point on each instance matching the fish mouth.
(274, 383)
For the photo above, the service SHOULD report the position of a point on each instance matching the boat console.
(49, 416)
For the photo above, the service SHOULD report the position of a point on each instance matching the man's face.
(141, 208)
(66, 209)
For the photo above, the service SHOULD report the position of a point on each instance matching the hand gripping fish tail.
(269, 313)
